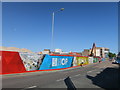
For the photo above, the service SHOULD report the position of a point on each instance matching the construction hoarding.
(11, 62)
(56, 62)
(90, 60)
(103, 59)
(79, 60)
(18, 62)
(95, 60)
(31, 61)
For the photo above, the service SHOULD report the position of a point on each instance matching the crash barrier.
(11, 62)
(56, 62)
(15, 62)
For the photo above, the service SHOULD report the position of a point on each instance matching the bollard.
(69, 84)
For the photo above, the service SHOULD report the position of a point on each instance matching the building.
(102, 51)
(75, 53)
(86, 52)
(46, 51)
(98, 51)
(58, 50)
(39, 52)
(64, 53)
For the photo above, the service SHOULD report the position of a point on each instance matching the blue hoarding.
(56, 62)
(103, 59)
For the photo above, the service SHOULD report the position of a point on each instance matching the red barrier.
(11, 62)
(44, 70)
(60, 55)
(67, 55)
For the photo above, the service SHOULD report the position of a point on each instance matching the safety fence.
(18, 62)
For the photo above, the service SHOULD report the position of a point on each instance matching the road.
(100, 75)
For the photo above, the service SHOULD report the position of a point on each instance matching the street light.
(53, 16)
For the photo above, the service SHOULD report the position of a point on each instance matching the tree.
(111, 54)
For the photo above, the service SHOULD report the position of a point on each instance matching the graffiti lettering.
(58, 62)
(64, 61)
(54, 61)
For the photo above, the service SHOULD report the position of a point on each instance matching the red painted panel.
(67, 55)
(11, 62)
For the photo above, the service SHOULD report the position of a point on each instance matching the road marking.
(101, 70)
(92, 71)
(28, 87)
(97, 72)
(89, 71)
(32, 87)
(77, 75)
(63, 79)
(60, 80)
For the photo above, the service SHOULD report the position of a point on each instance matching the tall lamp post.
(53, 16)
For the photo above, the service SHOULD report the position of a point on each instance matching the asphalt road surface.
(100, 75)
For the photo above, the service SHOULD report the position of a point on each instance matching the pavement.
(102, 75)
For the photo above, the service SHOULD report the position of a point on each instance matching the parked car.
(116, 61)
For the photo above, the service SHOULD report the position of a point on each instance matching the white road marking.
(60, 80)
(92, 71)
(101, 70)
(89, 71)
(69, 77)
(97, 72)
(32, 87)
(63, 79)
(77, 75)
(28, 87)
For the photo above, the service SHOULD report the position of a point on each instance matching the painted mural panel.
(79, 60)
(95, 60)
(56, 62)
(82, 59)
(11, 62)
(31, 61)
(90, 60)
(75, 62)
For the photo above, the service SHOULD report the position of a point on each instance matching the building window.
(106, 49)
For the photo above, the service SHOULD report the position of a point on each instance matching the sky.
(29, 25)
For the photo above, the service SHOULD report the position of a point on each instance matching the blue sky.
(29, 25)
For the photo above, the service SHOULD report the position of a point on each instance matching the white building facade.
(58, 50)
(102, 51)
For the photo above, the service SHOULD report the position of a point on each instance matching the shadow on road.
(108, 78)
(69, 84)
